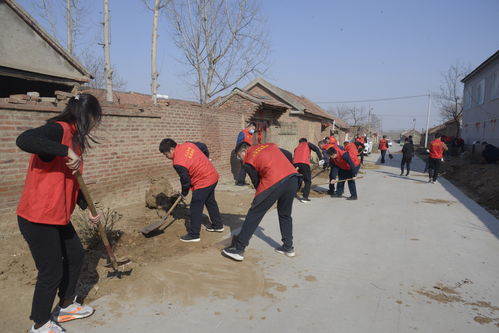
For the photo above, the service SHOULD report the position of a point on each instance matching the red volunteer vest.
(353, 152)
(270, 163)
(360, 139)
(340, 162)
(248, 137)
(327, 146)
(436, 149)
(332, 140)
(302, 154)
(50, 190)
(201, 171)
(383, 144)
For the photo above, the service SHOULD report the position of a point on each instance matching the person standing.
(275, 180)
(437, 149)
(383, 147)
(333, 170)
(50, 195)
(348, 166)
(196, 172)
(301, 160)
(246, 135)
(407, 155)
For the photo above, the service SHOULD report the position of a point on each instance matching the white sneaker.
(72, 312)
(49, 327)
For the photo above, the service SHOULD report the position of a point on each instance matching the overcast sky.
(325, 50)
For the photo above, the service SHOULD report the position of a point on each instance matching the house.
(416, 136)
(30, 59)
(481, 102)
(449, 128)
(302, 117)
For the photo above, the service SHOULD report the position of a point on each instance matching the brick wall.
(119, 168)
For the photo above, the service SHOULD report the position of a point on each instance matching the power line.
(374, 100)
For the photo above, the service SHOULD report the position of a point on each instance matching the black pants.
(58, 257)
(333, 173)
(304, 169)
(203, 197)
(433, 168)
(383, 153)
(406, 161)
(241, 177)
(361, 154)
(345, 174)
(283, 193)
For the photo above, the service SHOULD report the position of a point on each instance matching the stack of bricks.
(118, 169)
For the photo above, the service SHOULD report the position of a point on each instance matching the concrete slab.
(409, 256)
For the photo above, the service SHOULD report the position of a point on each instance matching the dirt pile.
(160, 194)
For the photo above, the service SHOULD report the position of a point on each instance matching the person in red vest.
(50, 195)
(275, 180)
(437, 149)
(332, 140)
(383, 147)
(196, 172)
(333, 171)
(301, 160)
(348, 163)
(246, 135)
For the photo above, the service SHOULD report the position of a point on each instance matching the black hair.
(438, 135)
(406, 139)
(331, 151)
(321, 142)
(252, 123)
(302, 140)
(241, 146)
(166, 145)
(384, 136)
(345, 143)
(85, 113)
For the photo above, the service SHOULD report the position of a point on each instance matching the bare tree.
(223, 41)
(158, 5)
(450, 98)
(47, 12)
(107, 53)
(341, 112)
(95, 66)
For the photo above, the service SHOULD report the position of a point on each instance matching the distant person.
(196, 172)
(348, 166)
(383, 147)
(407, 155)
(246, 135)
(437, 149)
(332, 140)
(333, 171)
(275, 180)
(301, 160)
(490, 153)
(460, 144)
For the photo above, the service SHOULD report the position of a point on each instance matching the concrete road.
(409, 256)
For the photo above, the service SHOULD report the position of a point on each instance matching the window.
(494, 93)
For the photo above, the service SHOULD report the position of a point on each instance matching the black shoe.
(352, 198)
(407, 174)
(233, 253)
(304, 200)
(337, 195)
(402, 173)
(189, 239)
(240, 184)
(286, 252)
(211, 228)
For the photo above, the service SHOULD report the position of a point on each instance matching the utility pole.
(369, 122)
(69, 27)
(154, 71)
(107, 55)
(427, 121)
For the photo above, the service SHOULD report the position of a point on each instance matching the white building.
(481, 103)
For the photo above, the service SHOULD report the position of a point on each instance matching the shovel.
(148, 229)
(102, 231)
(334, 181)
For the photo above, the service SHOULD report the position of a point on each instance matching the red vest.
(383, 144)
(270, 163)
(50, 190)
(302, 154)
(327, 146)
(332, 140)
(340, 162)
(201, 171)
(353, 152)
(360, 139)
(436, 149)
(248, 137)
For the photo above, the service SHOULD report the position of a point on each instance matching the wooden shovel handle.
(93, 210)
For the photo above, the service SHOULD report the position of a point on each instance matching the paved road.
(407, 257)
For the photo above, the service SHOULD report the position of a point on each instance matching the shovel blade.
(151, 227)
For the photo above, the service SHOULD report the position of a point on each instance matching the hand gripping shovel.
(150, 228)
(102, 232)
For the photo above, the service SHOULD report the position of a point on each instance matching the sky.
(327, 51)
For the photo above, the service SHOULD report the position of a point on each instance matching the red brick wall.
(119, 168)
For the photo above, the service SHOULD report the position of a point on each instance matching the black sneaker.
(304, 199)
(233, 253)
(336, 195)
(352, 198)
(286, 252)
(189, 239)
(213, 229)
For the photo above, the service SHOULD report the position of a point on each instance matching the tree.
(107, 53)
(223, 41)
(341, 112)
(450, 98)
(95, 66)
(158, 5)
